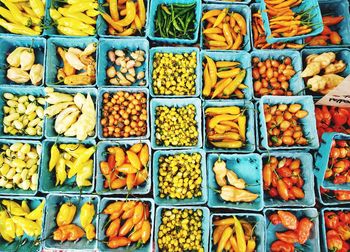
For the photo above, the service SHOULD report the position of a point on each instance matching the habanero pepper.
(281, 246)
(344, 232)
(66, 214)
(342, 195)
(275, 219)
(113, 228)
(288, 236)
(288, 219)
(113, 207)
(90, 232)
(304, 228)
(117, 242)
(87, 213)
(331, 220)
(344, 217)
(146, 231)
(334, 243)
(70, 232)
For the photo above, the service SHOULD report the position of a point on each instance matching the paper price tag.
(339, 96)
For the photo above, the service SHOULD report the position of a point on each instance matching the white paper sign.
(339, 96)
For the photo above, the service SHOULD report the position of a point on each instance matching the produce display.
(226, 127)
(169, 132)
(79, 66)
(22, 68)
(272, 76)
(174, 74)
(223, 79)
(282, 178)
(124, 69)
(125, 18)
(180, 230)
(70, 232)
(75, 18)
(322, 72)
(19, 220)
(23, 115)
(72, 160)
(19, 164)
(136, 125)
(337, 227)
(73, 115)
(125, 168)
(283, 124)
(175, 21)
(232, 188)
(233, 234)
(180, 176)
(128, 223)
(224, 29)
(124, 114)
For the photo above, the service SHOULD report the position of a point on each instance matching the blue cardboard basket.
(50, 132)
(257, 220)
(323, 230)
(242, 57)
(227, 1)
(244, 10)
(33, 244)
(101, 155)
(150, 31)
(337, 8)
(316, 20)
(48, 179)
(54, 60)
(54, 201)
(99, 103)
(102, 27)
(9, 44)
(175, 50)
(296, 84)
(175, 103)
(306, 166)
(326, 200)
(169, 201)
(255, 8)
(312, 244)
(250, 142)
(103, 220)
(129, 44)
(308, 122)
(19, 191)
(247, 167)
(205, 223)
(50, 29)
(322, 158)
(18, 91)
(341, 54)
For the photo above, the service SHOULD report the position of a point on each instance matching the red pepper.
(275, 219)
(304, 228)
(345, 248)
(281, 246)
(326, 115)
(339, 116)
(331, 220)
(339, 179)
(342, 195)
(288, 236)
(288, 219)
(332, 20)
(334, 243)
(344, 232)
(111, 161)
(344, 217)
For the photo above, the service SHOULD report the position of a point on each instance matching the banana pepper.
(14, 208)
(30, 227)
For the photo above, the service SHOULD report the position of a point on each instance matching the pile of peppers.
(68, 231)
(338, 230)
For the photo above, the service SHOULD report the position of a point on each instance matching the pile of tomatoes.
(338, 230)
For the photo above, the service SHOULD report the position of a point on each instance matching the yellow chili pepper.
(54, 157)
(37, 213)
(3, 233)
(127, 32)
(19, 230)
(79, 162)
(87, 213)
(242, 122)
(236, 82)
(61, 174)
(221, 17)
(251, 244)
(78, 15)
(218, 233)
(228, 144)
(234, 244)
(110, 21)
(232, 110)
(92, 13)
(220, 64)
(38, 8)
(29, 227)
(76, 24)
(82, 6)
(18, 28)
(13, 207)
(25, 206)
(17, 14)
(90, 232)
(29, 11)
(224, 117)
(70, 31)
(229, 73)
(5, 13)
(66, 214)
(142, 12)
(84, 174)
(130, 14)
(217, 37)
(240, 236)
(10, 228)
(226, 221)
(212, 70)
(221, 87)
(74, 150)
(207, 82)
(224, 238)
(210, 13)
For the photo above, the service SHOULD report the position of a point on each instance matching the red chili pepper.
(282, 189)
(288, 219)
(273, 192)
(342, 195)
(326, 115)
(324, 190)
(339, 179)
(334, 243)
(289, 182)
(304, 228)
(281, 246)
(344, 217)
(275, 219)
(288, 236)
(331, 220)
(111, 161)
(332, 20)
(284, 172)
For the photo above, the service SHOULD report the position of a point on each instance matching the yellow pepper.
(228, 144)
(5, 13)
(14, 208)
(54, 14)
(212, 70)
(17, 14)
(10, 228)
(232, 110)
(221, 86)
(79, 162)
(82, 6)
(92, 13)
(229, 73)
(242, 122)
(235, 83)
(3, 233)
(130, 14)
(18, 28)
(61, 174)
(29, 227)
(87, 213)
(223, 117)
(207, 82)
(54, 157)
(70, 31)
(84, 174)
(37, 213)
(76, 24)
(38, 8)
(25, 206)
(90, 232)
(142, 12)
(251, 244)
(240, 236)
(19, 230)
(66, 214)
(77, 15)
(224, 238)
